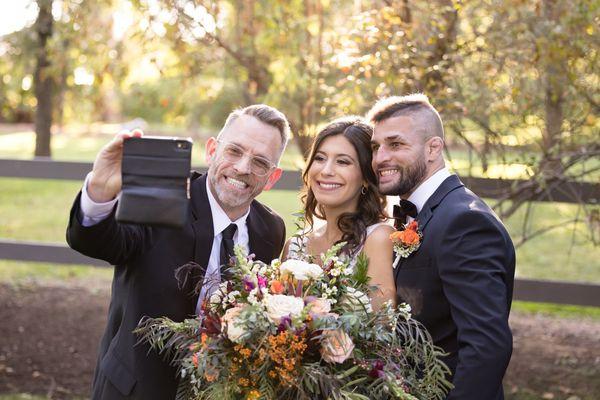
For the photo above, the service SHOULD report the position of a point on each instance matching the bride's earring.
(363, 191)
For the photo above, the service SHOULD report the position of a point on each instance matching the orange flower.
(211, 376)
(286, 350)
(243, 382)
(410, 237)
(277, 287)
(195, 359)
(396, 236)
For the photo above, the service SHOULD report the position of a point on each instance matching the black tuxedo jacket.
(144, 284)
(459, 284)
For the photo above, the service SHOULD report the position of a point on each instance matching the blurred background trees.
(517, 82)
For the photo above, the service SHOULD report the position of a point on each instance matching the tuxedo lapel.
(448, 185)
(424, 216)
(259, 242)
(202, 224)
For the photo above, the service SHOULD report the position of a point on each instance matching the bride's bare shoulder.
(379, 236)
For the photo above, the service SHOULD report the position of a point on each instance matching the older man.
(242, 163)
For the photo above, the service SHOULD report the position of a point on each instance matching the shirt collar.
(424, 191)
(219, 217)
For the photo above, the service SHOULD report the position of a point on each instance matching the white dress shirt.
(424, 191)
(212, 277)
(93, 213)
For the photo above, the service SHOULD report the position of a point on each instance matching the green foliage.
(360, 277)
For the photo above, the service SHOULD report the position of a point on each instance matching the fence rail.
(572, 192)
(525, 289)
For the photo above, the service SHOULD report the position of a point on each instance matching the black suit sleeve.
(472, 259)
(282, 237)
(107, 240)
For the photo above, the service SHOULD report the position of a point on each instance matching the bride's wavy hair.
(371, 205)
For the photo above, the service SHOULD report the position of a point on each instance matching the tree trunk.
(61, 87)
(554, 84)
(43, 81)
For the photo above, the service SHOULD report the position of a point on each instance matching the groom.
(242, 163)
(460, 281)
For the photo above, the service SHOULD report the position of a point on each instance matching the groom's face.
(398, 155)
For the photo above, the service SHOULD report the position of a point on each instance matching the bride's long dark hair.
(371, 204)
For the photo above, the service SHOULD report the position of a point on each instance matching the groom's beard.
(408, 179)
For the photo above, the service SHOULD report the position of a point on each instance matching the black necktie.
(403, 210)
(226, 250)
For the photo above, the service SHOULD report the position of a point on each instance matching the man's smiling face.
(233, 184)
(398, 155)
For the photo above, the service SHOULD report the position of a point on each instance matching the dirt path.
(49, 336)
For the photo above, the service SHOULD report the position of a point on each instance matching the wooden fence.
(525, 289)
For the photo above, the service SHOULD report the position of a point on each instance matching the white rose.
(279, 306)
(231, 325)
(355, 300)
(301, 270)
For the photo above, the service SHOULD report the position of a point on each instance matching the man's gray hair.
(264, 113)
(415, 105)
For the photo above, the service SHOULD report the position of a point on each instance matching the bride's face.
(334, 175)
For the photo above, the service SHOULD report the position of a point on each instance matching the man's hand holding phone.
(105, 181)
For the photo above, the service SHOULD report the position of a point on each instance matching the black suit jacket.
(144, 284)
(459, 284)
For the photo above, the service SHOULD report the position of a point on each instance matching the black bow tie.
(403, 210)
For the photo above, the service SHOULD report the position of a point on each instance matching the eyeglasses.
(233, 153)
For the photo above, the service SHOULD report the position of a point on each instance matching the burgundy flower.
(377, 370)
(284, 323)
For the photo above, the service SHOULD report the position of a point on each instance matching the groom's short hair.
(415, 105)
(266, 114)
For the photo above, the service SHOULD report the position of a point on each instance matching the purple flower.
(284, 323)
(262, 281)
(248, 284)
(377, 370)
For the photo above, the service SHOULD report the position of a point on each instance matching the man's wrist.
(97, 192)
(93, 211)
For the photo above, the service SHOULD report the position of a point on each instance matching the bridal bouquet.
(296, 330)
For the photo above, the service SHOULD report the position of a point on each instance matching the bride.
(341, 188)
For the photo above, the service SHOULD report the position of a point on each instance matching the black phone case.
(155, 173)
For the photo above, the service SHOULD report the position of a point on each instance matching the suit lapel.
(449, 184)
(259, 239)
(202, 224)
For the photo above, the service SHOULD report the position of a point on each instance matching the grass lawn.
(557, 310)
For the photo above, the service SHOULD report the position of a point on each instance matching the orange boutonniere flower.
(406, 241)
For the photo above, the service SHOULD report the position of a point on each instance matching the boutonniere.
(406, 241)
